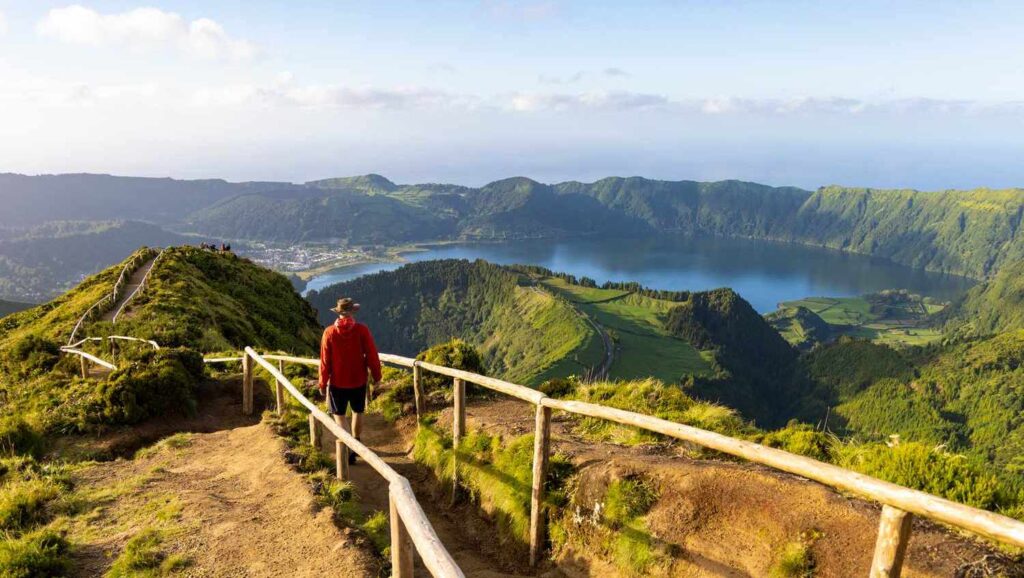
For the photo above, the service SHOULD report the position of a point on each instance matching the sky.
(926, 95)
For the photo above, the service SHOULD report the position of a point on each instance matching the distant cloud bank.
(141, 29)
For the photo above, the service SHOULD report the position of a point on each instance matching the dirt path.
(130, 289)
(465, 538)
(225, 501)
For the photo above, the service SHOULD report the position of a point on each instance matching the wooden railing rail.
(113, 338)
(85, 358)
(899, 503)
(411, 531)
(140, 288)
(110, 298)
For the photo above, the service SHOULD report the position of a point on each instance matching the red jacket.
(347, 353)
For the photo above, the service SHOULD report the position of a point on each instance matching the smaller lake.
(764, 273)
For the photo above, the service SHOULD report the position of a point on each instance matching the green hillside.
(991, 307)
(197, 301)
(965, 232)
(212, 301)
(755, 368)
(345, 216)
(968, 396)
(800, 326)
(893, 317)
(636, 325)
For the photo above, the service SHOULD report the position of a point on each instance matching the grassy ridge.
(637, 324)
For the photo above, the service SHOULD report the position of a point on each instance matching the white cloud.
(615, 100)
(284, 94)
(615, 71)
(143, 28)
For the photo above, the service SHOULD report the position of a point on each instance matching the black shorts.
(341, 398)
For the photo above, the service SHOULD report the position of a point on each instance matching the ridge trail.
(130, 289)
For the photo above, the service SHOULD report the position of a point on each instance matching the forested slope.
(990, 307)
(42, 262)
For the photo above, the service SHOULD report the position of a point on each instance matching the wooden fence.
(411, 531)
(87, 358)
(899, 504)
(139, 289)
(110, 299)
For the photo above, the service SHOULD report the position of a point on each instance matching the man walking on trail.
(347, 355)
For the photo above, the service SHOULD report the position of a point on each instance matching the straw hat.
(345, 305)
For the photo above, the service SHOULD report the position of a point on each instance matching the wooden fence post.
(340, 460)
(402, 547)
(417, 389)
(891, 546)
(458, 430)
(247, 404)
(541, 449)
(314, 432)
(85, 367)
(280, 366)
(279, 397)
(340, 453)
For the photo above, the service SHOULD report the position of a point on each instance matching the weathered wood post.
(314, 432)
(541, 449)
(340, 461)
(891, 546)
(280, 366)
(417, 389)
(84, 365)
(340, 453)
(247, 405)
(458, 430)
(279, 396)
(402, 548)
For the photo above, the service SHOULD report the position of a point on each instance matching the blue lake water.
(764, 273)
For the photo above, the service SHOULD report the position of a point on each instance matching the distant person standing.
(348, 356)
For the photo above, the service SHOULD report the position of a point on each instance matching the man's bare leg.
(357, 424)
(340, 420)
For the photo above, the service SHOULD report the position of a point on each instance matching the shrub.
(143, 557)
(456, 354)
(628, 499)
(932, 470)
(652, 397)
(23, 503)
(560, 387)
(794, 561)
(17, 436)
(800, 438)
(39, 554)
(32, 355)
(155, 383)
